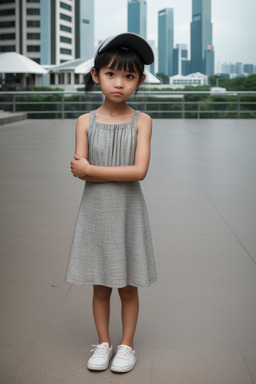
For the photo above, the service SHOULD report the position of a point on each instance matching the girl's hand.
(79, 166)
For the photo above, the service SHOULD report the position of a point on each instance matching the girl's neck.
(114, 112)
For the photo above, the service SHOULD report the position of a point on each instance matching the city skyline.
(233, 25)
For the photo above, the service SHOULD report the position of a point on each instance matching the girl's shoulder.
(144, 120)
(144, 117)
(85, 117)
(83, 122)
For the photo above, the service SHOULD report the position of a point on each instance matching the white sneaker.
(100, 358)
(124, 359)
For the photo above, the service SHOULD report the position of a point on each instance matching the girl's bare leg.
(130, 310)
(101, 311)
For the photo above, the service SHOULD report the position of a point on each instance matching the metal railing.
(158, 104)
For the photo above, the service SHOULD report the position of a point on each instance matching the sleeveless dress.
(112, 243)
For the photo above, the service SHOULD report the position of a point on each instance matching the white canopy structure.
(13, 62)
(81, 67)
(86, 66)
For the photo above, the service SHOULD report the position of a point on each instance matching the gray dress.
(112, 243)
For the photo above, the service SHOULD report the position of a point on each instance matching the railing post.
(62, 106)
(183, 109)
(238, 106)
(14, 103)
(198, 109)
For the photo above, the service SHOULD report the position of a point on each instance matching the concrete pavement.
(197, 324)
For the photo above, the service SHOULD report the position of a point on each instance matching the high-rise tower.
(202, 52)
(84, 46)
(137, 17)
(165, 41)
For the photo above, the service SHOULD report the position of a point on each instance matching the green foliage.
(43, 89)
(163, 77)
(237, 84)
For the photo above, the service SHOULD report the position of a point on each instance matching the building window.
(33, 11)
(7, 12)
(64, 39)
(52, 78)
(64, 28)
(65, 6)
(33, 1)
(85, 21)
(76, 78)
(6, 1)
(66, 51)
(7, 48)
(61, 78)
(33, 23)
(65, 17)
(7, 24)
(7, 36)
(33, 48)
(33, 36)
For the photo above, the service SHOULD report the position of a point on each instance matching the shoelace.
(100, 350)
(122, 352)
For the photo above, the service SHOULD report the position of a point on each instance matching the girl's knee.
(128, 293)
(101, 292)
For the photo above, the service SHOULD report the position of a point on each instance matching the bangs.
(120, 59)
(124, 62)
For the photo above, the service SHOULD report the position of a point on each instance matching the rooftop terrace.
(197, 324)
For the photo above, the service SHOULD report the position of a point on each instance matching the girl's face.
(117, 85)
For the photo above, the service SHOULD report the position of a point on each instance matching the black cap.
(129, 40)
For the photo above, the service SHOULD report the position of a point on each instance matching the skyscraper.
(137, 17)
(180, 58)
(47, 31)
(202, 52)
(165, 41)
(84, 28)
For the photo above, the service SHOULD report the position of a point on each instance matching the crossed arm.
(80, 167)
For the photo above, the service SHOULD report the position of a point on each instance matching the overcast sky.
(234, 31)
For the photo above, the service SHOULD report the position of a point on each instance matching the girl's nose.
(118, 82)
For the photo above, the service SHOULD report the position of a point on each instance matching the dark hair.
(123, 58)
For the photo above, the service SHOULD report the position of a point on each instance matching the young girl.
(112, 245)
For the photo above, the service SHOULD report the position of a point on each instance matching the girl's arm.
(81, 148)
(137, 171)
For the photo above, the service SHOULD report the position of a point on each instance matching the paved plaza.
(197, 324)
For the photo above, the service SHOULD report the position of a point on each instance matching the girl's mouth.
(117, 93)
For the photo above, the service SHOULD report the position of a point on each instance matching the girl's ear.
(142, 79)
(94, 75)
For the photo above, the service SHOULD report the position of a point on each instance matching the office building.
(84, 29)
(137, 17)
(194, 80)
(249, 69)
(239, 69)
(153, 66)
(165, 41)
(181, 64)
(202, 51)
(47, 31)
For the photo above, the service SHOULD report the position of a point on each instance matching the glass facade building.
(165, 41)
(84, 26)
(137, 17)
(202, 51)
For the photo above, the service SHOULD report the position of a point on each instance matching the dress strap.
(92, 115)
(135, 118)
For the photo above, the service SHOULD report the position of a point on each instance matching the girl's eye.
(129, 76)
(110, 74)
